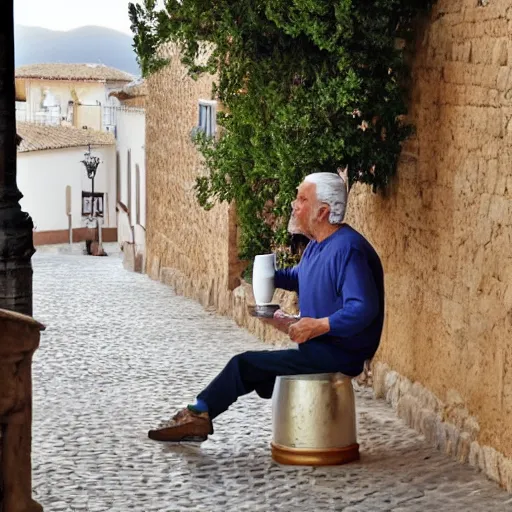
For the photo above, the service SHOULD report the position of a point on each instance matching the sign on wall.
(93, 204)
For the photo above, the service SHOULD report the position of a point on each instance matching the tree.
(308, 85)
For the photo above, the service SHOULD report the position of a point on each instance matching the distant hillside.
(36, 45)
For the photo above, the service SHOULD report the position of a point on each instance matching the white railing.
(109, 116)
(53, 115)
(110, 113)
(47, 116)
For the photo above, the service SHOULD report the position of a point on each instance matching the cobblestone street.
(122, 352)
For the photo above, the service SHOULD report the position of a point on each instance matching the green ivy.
(307, 85)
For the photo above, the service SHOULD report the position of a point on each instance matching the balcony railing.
(48, 115)
(97, 117)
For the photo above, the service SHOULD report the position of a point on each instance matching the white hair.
(330, 189)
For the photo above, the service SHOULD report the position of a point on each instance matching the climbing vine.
(307, 86)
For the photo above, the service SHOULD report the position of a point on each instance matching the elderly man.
(341, 297)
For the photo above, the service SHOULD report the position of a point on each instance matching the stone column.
(16, 246)
(19, 338)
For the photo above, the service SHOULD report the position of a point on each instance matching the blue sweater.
(340, 278)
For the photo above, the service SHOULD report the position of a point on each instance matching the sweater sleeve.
(287, 279)
(360, 298)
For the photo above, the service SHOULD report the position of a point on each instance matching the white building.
(49, 161)
(131, 165)
(71, 94)
(83, 96)
(130, 136)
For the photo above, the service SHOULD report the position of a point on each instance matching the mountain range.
(35, 45)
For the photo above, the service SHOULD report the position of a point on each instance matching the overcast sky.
(70, 14)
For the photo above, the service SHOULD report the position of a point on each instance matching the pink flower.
(363, 126)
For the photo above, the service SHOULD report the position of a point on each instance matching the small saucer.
(263, 310)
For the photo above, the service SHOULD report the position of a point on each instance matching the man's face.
(305, 207)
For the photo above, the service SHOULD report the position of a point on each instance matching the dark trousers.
(257, 371)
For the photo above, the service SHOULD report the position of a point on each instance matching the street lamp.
(91, 164)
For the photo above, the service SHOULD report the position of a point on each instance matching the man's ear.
(324, 212)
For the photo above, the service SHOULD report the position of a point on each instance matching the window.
(207, 117)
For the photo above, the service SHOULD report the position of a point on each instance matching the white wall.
(63, 91)
(131, 135)
(44, 175)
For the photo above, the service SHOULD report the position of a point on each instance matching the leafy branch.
(307, 86)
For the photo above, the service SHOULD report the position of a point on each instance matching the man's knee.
(235, 363)
(248, 365)
(243, 358)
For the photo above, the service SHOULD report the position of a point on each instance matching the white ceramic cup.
(263, 273)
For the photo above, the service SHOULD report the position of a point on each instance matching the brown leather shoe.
(186, 425)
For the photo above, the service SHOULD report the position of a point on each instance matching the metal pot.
(314, 420)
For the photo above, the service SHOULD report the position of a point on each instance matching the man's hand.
(307, 328)
(281, 321)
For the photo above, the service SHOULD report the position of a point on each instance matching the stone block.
(453, 314)
(452, 435)
(430, 427)
(129, 256)
(500, 53)
(154, 267)
(465, 52)
(500, 188)
(404, 386)
(420, 418)
(463, 447)
(491, 465)
(416, 389)
(474, 455)
(391, 379)
(407, 409)
(507, 298)
(494, 125)
(458, 416)
(441, 440)
(488, 73)
(481, 53)
(505, 469)
(493, 98)
(380, 371)
(492, 170)
(499, 209)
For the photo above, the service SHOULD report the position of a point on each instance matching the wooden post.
(19, 341)
(69, 213)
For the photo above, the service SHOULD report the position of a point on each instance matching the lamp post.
(16, 243)
(91, 164)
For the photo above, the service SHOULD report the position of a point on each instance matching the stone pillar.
(16, 247)
(19, 338)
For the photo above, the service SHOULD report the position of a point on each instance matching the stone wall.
(191, 249)
(180, 234)
(444, 229)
